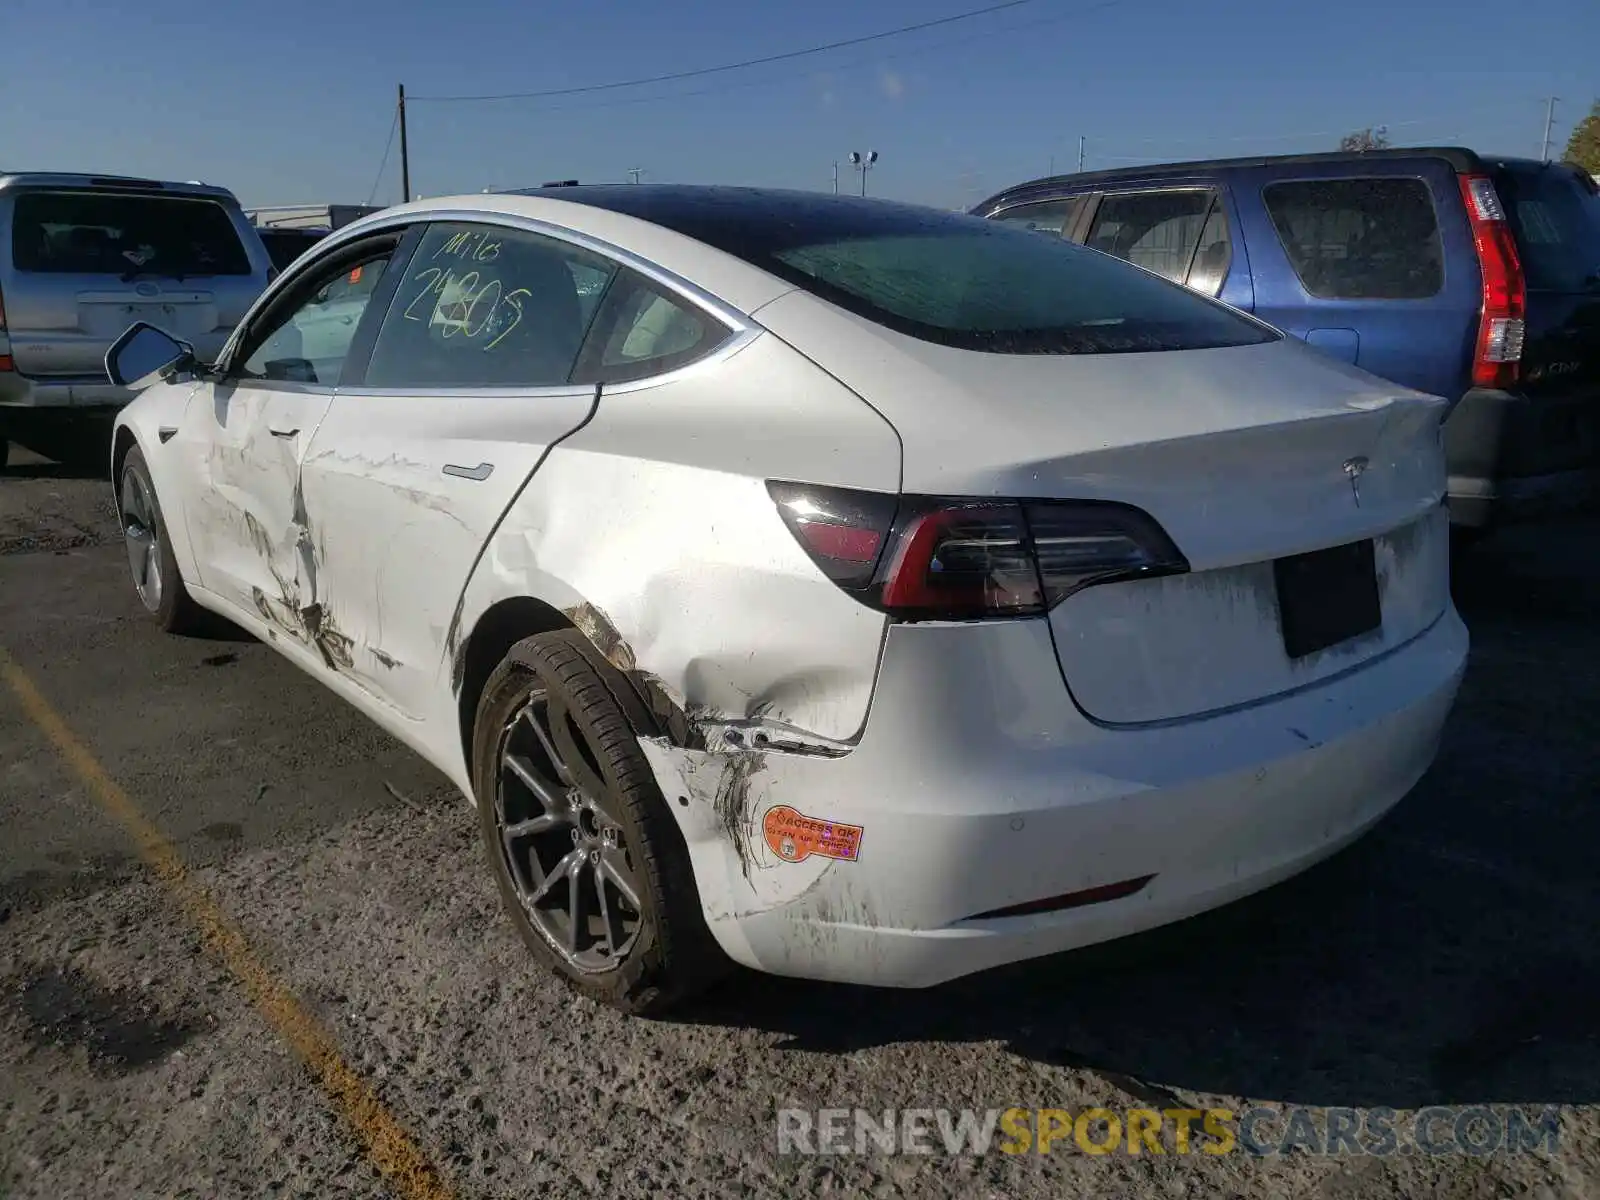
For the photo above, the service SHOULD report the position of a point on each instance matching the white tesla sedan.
(847, 589)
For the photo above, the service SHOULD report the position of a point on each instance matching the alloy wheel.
(142, 535)
(566, 852)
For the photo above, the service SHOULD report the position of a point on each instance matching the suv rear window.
(1359, 239)
(105, 233)
(1556, 219)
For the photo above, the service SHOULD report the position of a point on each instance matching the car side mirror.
(145, 355)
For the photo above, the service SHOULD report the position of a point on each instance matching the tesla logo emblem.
(1354, 469)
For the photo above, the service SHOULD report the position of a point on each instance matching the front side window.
(1359, 239)
(486, 306)
(1154, 230)
(113, 233)
(310, 343)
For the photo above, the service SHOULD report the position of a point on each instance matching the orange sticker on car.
(793, 836)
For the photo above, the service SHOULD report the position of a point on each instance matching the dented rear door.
(465, 390)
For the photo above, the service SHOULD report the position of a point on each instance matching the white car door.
(247, 433)
(465, 390)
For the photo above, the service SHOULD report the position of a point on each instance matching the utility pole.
(836, 177)
(405, 153)
(1549, 119)
(1080, 152)
(634, 173)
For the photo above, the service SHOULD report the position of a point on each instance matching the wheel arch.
(511, 619)
(501, 626)
(123, 439)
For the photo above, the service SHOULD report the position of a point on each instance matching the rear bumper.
(1514, 458)
(21, 392)
(977, 786)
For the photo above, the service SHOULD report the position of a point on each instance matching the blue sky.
(291, 102)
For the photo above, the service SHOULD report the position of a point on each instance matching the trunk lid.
(1245, 455)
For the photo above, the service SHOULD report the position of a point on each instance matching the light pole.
(863, 163)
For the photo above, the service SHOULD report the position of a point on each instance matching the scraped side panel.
(652, 529)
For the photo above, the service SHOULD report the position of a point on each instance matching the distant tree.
(1583, 147)
(1363, 140)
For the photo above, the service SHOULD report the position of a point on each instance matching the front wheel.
(591, 866)
(150, 559)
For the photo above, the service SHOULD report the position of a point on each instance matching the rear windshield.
(106, 233)
(1556, 218)
(965, 282)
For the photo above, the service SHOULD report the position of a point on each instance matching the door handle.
(284, 433)
(478, 473)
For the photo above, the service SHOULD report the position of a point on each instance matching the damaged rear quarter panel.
(652, 529)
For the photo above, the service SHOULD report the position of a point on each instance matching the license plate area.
(1327, 597)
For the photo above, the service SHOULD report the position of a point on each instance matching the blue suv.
(1473, 278)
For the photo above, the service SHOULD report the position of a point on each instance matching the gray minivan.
(84, 256)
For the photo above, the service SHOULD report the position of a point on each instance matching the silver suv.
(84, 256)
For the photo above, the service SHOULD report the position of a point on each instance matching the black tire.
(173, 610)
(672, 954)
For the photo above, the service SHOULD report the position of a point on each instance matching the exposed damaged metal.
(732, 803)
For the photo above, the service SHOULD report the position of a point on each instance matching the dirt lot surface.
(1450, 958)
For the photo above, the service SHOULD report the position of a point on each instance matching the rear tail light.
(933, 558)
(1502, 325)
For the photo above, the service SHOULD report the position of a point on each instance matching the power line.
(735, 66)
(789, 78)
(387, 146)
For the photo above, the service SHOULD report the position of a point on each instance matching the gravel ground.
(1448, 958)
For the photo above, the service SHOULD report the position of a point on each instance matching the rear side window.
(1359, 239)
(1158, 231)
(1556, 220)
(1049, 216)
(105, 233)
(486, 306)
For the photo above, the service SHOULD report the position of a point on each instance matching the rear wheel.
(150, 559)
(590, 864)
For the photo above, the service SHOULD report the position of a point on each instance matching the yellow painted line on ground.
(388, 1147)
